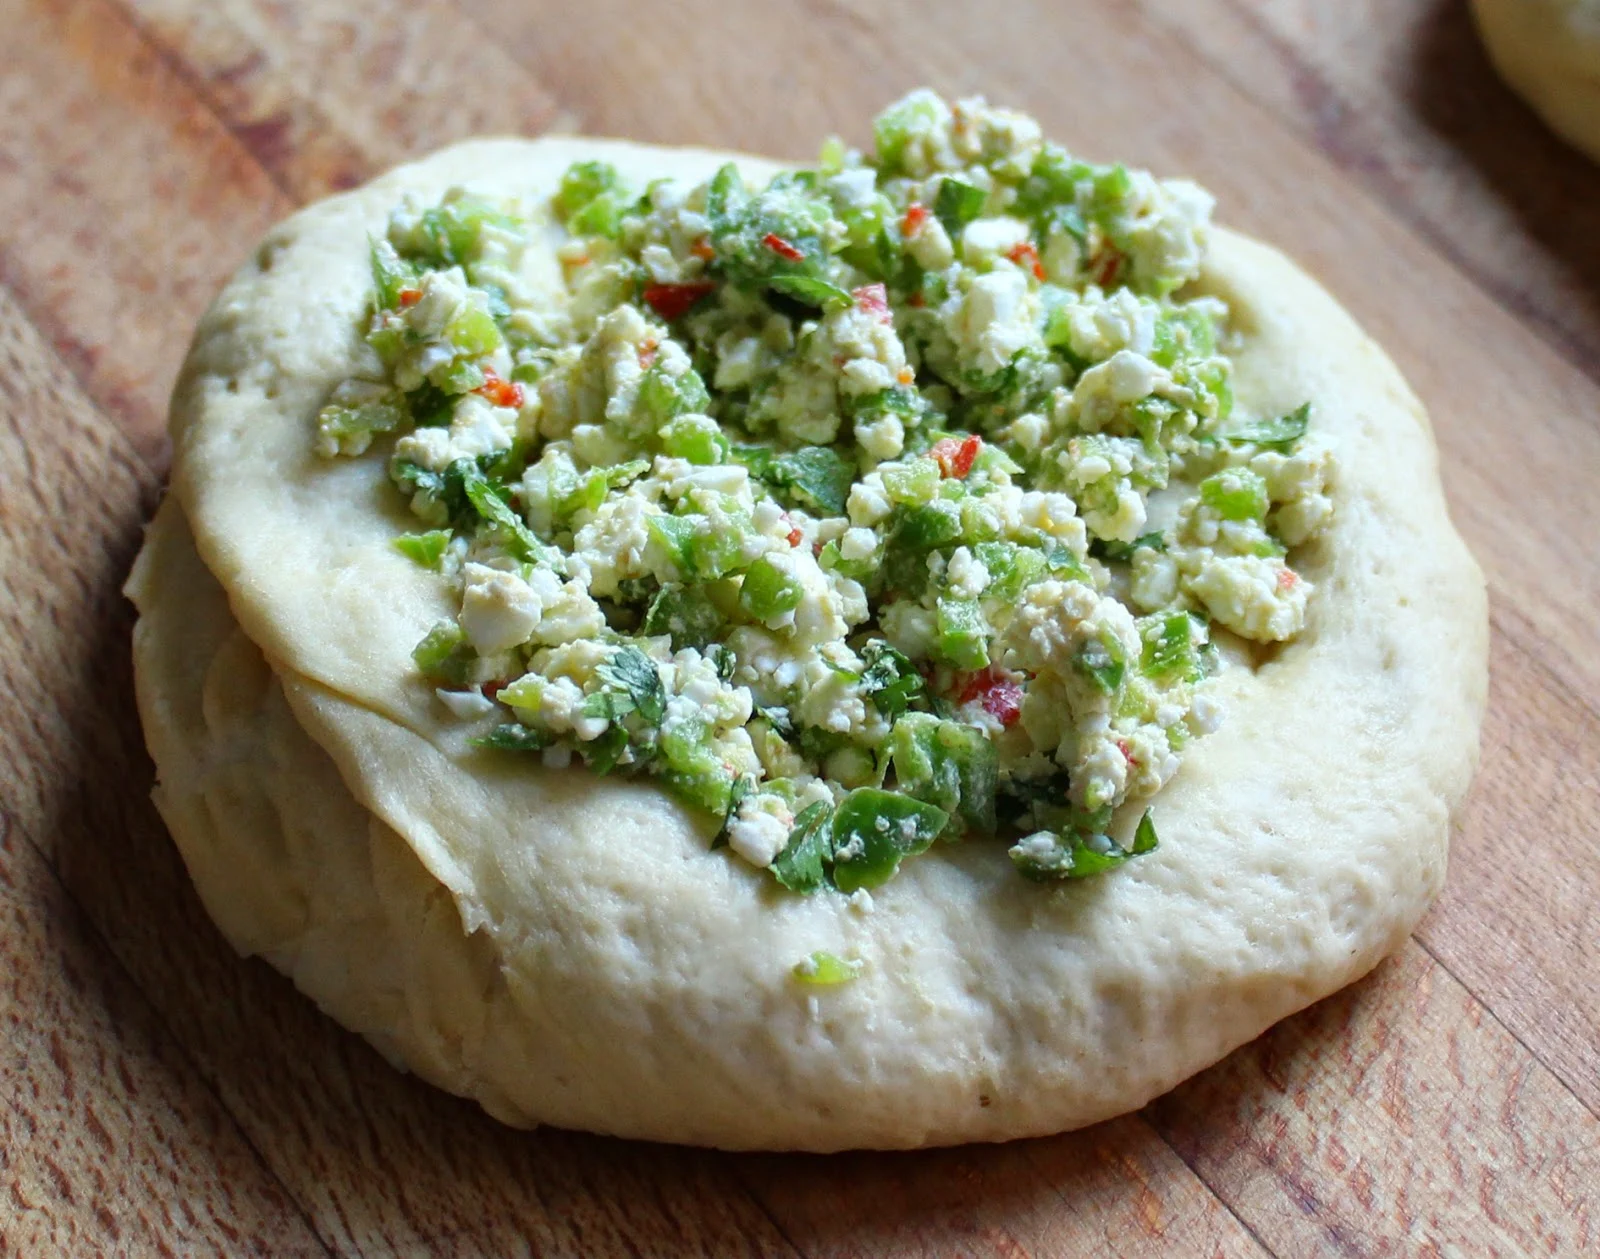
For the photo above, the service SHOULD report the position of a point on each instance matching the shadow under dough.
(1553, 190)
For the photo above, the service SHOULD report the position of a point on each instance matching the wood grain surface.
(158, 1095)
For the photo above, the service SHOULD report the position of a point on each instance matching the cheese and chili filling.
(898, 499)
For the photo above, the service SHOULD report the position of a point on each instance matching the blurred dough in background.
(1549, 52)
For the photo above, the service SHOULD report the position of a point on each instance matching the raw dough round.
(1549, 52)
(565, 948)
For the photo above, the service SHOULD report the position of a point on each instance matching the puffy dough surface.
(1549, 52)
(566, 949)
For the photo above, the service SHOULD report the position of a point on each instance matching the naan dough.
(566, 949)
(1549, 52)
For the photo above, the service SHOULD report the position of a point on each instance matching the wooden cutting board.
(157, 1093)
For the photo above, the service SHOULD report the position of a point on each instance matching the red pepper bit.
(796, 537)
(1106, 269)
(782, 247)
(916, 299)
(647, 352)
(1026, 256)
(973, 685)
(916, 215)
(409, 296)
(702, 249)
(1003, 702)
(503, 393)
(873, 299)
(492, 689)
(1000, 696)
(1127, 752)
(955, 455)
(673, 301)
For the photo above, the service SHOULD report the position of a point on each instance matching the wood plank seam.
(184, 73)
(1194, 1171)
(1489, 1010)
(1517, 631)
(10, 824)
(1556, 338)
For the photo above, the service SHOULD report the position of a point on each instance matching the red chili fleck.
(916, 299)
(1106, 270)
(503, 393)
(647, 352)
(1025, 255)
(955, 455)
(1127, 752)
(673, 301)
(702, 249)
(782, 247)
(409, 297)
(916, 216)
(873, 300)
(796, 537)
(492, 689)
(1288, 579)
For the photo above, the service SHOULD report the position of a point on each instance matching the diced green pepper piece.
(349, 426)
(513, 736)
(824, 970)
(593, 486)
(674, 534)
(769, 591)
(925, 528)
(1102, 661)
(1012, 568)
(663, 395)
(473, 331)
(818, 477)
(1168, 653)
(696, 438)
(391, 274)
(444, 656)
(1078, 855)
(582, 183)
(894, 129)
(426, 549)
(1235, 494)
(708, 784)
(874, 830)
(524, 694)
(963, 633)
(912, 483)
(948, 764)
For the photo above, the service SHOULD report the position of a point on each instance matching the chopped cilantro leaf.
(1279, 434)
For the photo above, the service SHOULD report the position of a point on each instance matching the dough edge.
(1550, 56)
